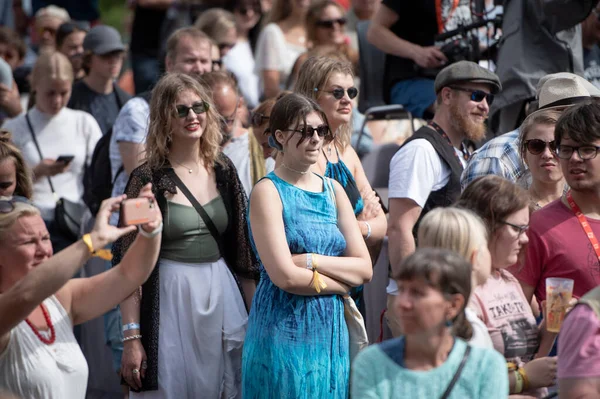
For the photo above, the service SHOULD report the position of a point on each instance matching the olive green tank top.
(185, 236)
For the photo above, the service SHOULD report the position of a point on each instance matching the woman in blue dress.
(330, 83)
(311, 252)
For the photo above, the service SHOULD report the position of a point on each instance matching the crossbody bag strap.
(207, 220)
(37, 146)
(457, 374)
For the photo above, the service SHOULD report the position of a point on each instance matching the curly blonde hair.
(8, 150)
(313, 78)
(163, 113)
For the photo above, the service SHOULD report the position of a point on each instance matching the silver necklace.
(180, 164)
(294, 170)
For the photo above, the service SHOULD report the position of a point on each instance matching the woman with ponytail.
(429, 360)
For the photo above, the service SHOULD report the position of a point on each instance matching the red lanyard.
(584, 224)
(440, 19)
(463, 150)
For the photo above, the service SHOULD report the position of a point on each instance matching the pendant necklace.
(180, 164)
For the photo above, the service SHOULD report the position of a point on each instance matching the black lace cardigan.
(237, 251)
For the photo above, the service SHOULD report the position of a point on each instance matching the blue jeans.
(146, 72)
(416, 95)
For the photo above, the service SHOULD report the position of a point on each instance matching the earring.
(448, 323)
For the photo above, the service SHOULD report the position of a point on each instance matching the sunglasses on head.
(339, 92)
(537, 146)
(8, 205)
(198, 108)
(477, 95)
(330, 23)
(309, 131)
(257, 119)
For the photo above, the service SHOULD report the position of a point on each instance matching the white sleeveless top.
(31, 369)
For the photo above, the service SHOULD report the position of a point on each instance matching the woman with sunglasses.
(500, 303)
(311, 253)
(330, 83)
(538, 151)
(40, 302)
(185, 329)
(325, 26)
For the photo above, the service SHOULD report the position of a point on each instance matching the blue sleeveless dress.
(297, 346)
(340, 172)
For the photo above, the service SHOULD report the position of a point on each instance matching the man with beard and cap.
(425, 172)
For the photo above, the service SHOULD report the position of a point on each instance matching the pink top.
(502, 306)
(558, 247)
(579, 344)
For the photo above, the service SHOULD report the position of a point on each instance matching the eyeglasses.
(584, 151)
(520, 229)
(257, 119)
(537, 146)
(309, 131)
(330, 23)
(477, 95)
(339, 92)
(8, 205)
(198, 108)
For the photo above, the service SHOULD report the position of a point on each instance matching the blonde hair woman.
(330, 83)
(50, 130)
(463, 232)
(40, 303)
(280, 43)
(192, 301)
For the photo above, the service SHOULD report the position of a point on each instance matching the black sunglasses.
(477, 95)
(339, 92)
(198, 108)
(309, 131)
(8, 205)
(330, 23)
(257, 119)
(245, 10)
(537, 146)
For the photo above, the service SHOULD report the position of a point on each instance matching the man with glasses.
(425, 172)
(563, 236)
(501, 156)
(238, 143)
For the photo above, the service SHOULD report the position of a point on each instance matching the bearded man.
(425, 172)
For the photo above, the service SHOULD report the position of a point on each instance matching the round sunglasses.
(198, 108)
(309, 131)
(339, 92)
(537, 146)
(477, 95)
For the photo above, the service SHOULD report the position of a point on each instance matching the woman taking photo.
(500, 303)
(430, 360)
(311, 253)
(184, 336)
(15, 177)
(463, 232)
(538, 150)
(40, 303)
(330, 83)
(57, 143)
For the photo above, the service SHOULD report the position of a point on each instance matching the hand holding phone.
(65, 159)
(138, 211)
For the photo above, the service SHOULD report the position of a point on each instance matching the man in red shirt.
(562, 235)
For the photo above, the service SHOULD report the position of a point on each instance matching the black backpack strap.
(458, 373)
(37, 146)
(207, 220)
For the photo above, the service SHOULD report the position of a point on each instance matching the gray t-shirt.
(103, 107)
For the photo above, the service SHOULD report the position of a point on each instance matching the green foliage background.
(116, 13)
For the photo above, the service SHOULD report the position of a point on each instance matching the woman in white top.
(280, 43)
(463, 232)
(40, 303)
(59, 131)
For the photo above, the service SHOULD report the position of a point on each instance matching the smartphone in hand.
(65, 158)
(138, 211)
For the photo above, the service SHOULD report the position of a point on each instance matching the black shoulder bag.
(67, 214)
(457, 374)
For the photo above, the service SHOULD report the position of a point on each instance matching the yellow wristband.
(518, 382)
(523, 374)
(316, 282)
(511, 366)
(101, 253)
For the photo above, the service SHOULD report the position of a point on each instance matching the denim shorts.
(416, 95)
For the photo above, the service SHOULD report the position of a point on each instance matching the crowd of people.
(246, 277)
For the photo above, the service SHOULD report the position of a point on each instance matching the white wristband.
(369, 231)
(309, 261)
(153, 233)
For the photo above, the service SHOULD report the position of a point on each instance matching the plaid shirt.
(499, 156)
